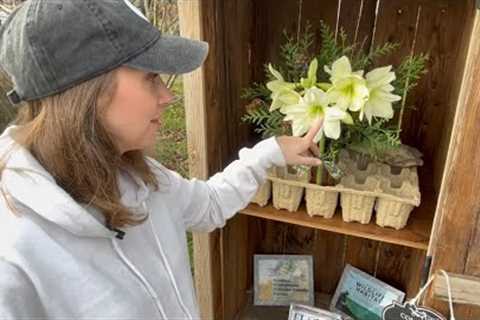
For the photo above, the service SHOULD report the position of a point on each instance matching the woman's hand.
(301, 150)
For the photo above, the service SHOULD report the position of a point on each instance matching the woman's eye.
(153, 77)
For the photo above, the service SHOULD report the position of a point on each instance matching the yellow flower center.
(316, 111)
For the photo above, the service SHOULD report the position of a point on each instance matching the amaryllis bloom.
(283, 93)
(312, 106)
(379, 103)
(311, 79)
(349, 90)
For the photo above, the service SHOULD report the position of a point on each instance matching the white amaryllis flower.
(283, 93)
(312, 106)
(349, 90)
(380, 101)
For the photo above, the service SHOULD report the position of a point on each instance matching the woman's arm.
(206, 205)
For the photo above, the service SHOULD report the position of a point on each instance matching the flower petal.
(380, 94)
(325, 86)
(289, 97)
(318, 136)
(378, 108)
(275, 73)
(341, 68)
(347, 119)
(359, 97)
(332, 129)
(299, 128)
(276, 104)
(278, 85)
(333, 113)
(380, 77)
(316, 96)
(312, 70)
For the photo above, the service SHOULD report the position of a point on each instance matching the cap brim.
(171, 55)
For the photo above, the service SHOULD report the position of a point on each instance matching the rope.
(449, 289)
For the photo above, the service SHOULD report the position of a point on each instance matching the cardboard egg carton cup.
(366, 187)
(286, 187)
(393, 192)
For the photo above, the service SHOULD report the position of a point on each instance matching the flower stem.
(321, 146)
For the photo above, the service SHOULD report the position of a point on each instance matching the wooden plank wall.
(456, 244)
(245, 34)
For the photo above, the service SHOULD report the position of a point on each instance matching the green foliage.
(267, 123)
(171, 143)
(370, 140)
(330, 49)
(257, 90)
(333, 49)
(361, 60)
(408, 73)
(295, 54)
(373, 140)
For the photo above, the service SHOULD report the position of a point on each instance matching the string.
(449, 290)
(422, 290)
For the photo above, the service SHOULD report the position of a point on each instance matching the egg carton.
(358, 207)
(366, 186)
(393, 192)
(321, 201)
(391, 211)
(264, 192)
(289, 195)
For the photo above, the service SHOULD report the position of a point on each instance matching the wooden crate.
(245, 34)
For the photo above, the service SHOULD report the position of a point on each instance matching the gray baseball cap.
(48, 46)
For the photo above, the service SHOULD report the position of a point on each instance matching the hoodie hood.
(28, 183)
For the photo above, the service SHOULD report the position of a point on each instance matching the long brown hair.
(64, 132)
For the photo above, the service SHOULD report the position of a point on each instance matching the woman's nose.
(165, 96)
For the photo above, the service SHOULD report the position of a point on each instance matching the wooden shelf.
(415, 235)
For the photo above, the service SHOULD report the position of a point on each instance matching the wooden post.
(456, 233)
(203, 100)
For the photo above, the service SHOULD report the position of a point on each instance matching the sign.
(363, 297)
(301, 312)
(280, 280)
(409, 311)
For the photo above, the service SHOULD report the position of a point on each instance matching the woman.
(89, 226)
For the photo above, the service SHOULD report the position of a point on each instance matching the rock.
(404, 157)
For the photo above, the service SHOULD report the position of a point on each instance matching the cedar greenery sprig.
(409, 72)
(295, 55)
(267, 123)
(256, 90)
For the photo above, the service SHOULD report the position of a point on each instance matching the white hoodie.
(59, 261)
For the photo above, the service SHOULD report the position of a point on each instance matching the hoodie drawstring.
(167, 265)
(139, 275)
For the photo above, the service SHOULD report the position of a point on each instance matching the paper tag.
(409, 311)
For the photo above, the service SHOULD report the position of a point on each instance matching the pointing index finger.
(317, 125)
